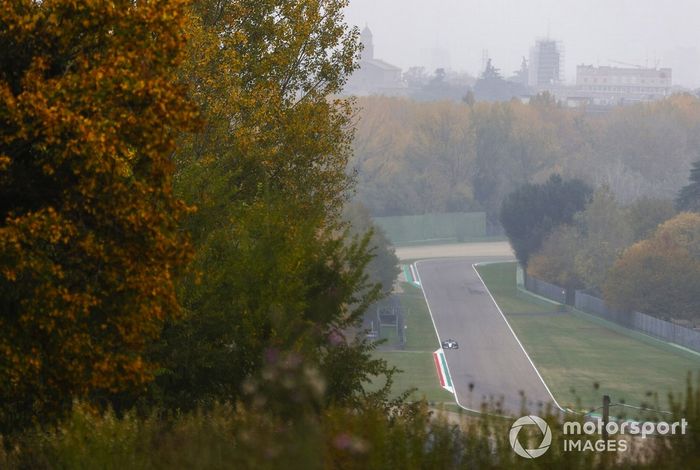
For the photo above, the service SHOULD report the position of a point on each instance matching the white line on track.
(516, 337)
(437, 333)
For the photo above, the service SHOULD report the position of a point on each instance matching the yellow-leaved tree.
(89, 239)
(661, 275)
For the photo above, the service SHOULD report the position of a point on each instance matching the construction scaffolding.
(546, 68)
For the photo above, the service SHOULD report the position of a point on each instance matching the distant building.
(546, 68)
(609, 86)
(374, 77)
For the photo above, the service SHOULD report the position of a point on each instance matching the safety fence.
(642, 322)
(545, 289)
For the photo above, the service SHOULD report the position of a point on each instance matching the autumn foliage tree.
(89, 239)
(661, 275)
(638, 151)
(604, 234)
(555, 262)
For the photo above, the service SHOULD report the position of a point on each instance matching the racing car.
(450, 344)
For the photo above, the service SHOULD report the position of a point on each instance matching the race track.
(490, 364)
(454, 250)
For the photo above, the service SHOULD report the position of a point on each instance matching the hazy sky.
(454, 33)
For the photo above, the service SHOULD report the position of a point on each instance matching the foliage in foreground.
(133, 132)
(253, 435)
(275, 264)
(90, 244)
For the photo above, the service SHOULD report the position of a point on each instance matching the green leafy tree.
(689, 196)
(646, 214)
(605, 233)
(383, 268)
(581, 255)
(555, 262)
(531, 212)
(273, 269)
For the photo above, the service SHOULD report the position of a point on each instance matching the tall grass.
(241, 437)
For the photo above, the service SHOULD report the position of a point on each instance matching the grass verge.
(582, 357)
(416, 360)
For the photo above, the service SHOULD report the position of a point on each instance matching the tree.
(469, 99)
(441, 152)
(89, 239)
(531, 212)
(494, 176)
(416, 77)
(637, 151)
(274, 270)
(414, 157)
(646, 214)
(492, 87)
(439, 87)
(688, 198)
(682, 231)
(522, 76)
(658, 279)
(605, 233)
(555, 262)
(490, 72)
(661, 275)
(543, 100)
(383, 268)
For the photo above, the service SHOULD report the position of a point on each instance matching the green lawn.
(582, 357)
(416, 360)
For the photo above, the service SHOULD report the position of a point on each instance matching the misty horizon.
(457, 35)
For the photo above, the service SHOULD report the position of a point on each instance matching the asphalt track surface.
(452, 250)
(490, 364)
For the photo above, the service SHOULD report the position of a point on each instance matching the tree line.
(413, 158)
(643, 256)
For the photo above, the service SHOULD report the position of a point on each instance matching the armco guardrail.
(642, 322)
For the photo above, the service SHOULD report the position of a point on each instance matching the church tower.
(366, 40)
